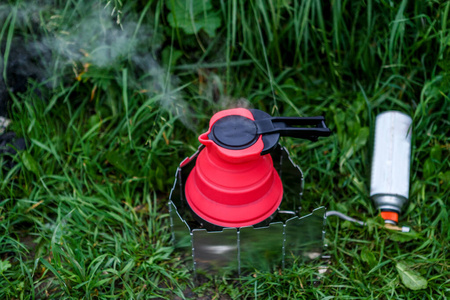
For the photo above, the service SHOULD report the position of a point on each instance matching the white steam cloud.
(96, 39)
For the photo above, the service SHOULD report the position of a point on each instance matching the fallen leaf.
(30, 163)
(4, 265)
(411, 279)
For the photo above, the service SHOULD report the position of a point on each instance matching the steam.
(212, 87)
(228, 102)
(91, 38)
(94, 39)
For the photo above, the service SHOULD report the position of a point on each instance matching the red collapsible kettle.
(234, 183)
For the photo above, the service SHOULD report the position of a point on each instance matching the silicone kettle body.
(234, 183)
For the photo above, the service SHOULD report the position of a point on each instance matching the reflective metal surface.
(180, 229)
(304, 237)
(216, 252)
(291, 177)
(261, 248)
(290, 237)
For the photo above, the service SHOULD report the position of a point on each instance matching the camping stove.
(235, 204)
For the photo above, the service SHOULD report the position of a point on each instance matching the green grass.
(83, 214)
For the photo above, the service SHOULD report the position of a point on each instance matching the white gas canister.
(391, 163)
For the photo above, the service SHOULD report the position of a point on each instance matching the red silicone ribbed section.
(233, 195)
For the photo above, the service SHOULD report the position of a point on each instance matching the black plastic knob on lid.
(234, 132)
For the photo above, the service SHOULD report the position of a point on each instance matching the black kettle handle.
(271, 128)
(282, 125)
